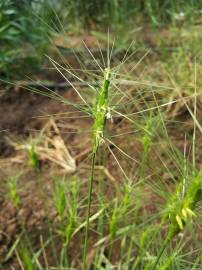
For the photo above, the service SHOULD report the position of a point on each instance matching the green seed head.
(181, 209)
(101, 111)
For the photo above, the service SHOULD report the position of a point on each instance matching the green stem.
(161, 252)
(89, 208)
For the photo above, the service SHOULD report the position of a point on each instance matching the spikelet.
(181, 209)
(101, 111)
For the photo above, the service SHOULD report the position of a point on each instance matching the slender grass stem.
(161, 252)
(89, 208)
(100, 116)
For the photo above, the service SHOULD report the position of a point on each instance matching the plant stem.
(161, 252)
(100, 116)
(89, 208)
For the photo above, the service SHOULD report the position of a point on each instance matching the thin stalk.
(89, 208)
(161, 252)
(194, 131)
(64, 256)
(100, 116)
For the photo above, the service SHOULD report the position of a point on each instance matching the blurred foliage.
(23, 38)
(26, 25)
(113, 12)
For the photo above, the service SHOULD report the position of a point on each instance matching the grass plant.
(129, 212)
(14, 190)
(181, 209)
(100, 115)
(146, 187)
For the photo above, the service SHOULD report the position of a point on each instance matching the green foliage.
(26, 26)
(27, 258)
(117, 12)
(67, 205)
(113, 226)
(60, 198)
(23, 38)
(130, 221)
(14, 190)
(33, 156)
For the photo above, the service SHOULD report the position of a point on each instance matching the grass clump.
(14, 190)
(33, 156)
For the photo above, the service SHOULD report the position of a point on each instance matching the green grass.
(116, 12)
(24, 39)
(13, 190)
(27, 28)
(124, 230)
(134, 203)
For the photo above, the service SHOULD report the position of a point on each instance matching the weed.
(100, 115)
(14, 190)
(181, 209)
(33, 156)
(26, 258)
(60, 199)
